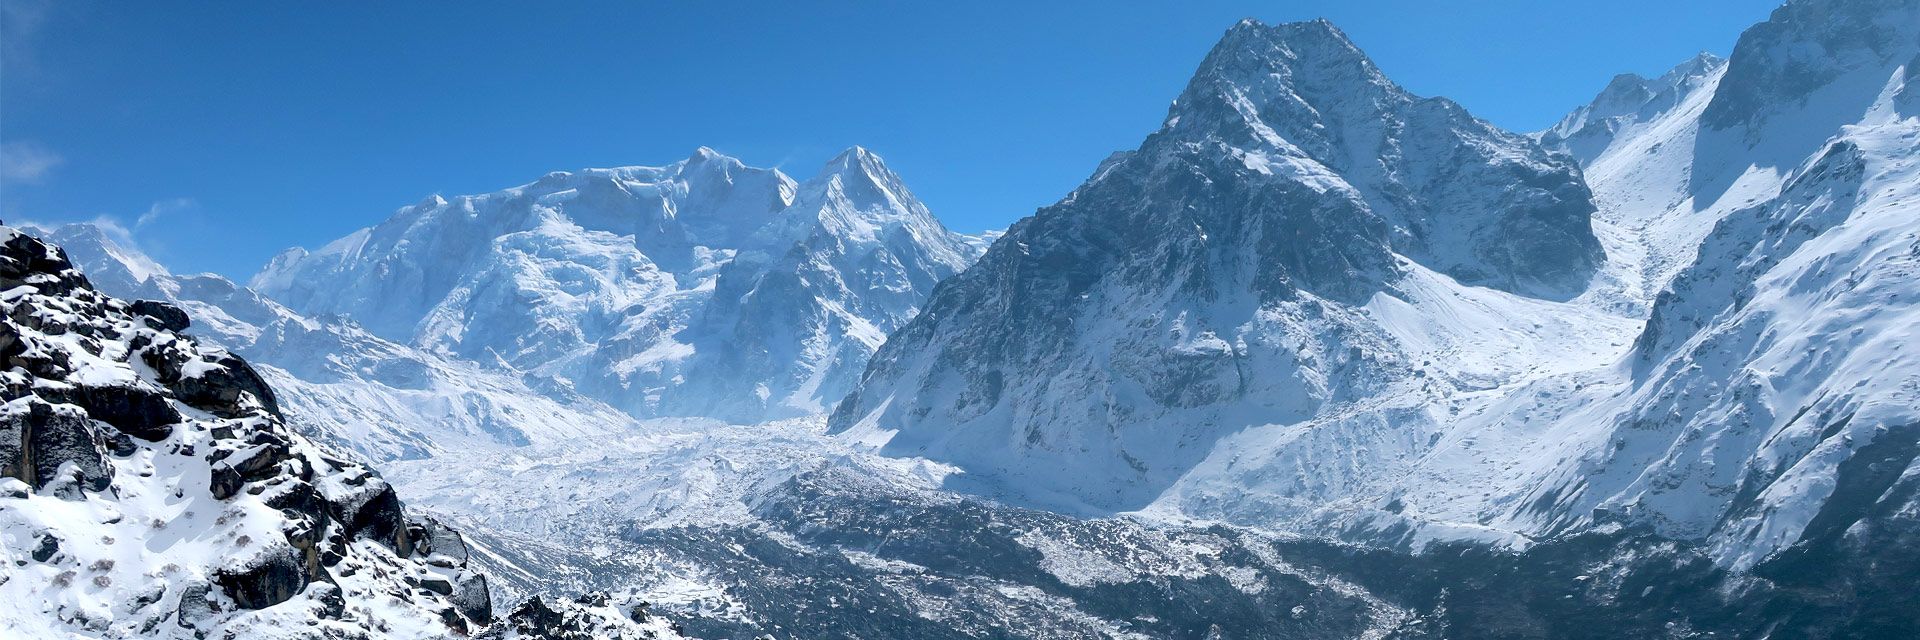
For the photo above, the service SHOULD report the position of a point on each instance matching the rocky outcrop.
(218, 514)
(51, 445)
(162, 315)
(594, 616)
(136, 409)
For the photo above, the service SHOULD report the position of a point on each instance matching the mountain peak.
(1808, 46)
(858, 161)
(1317, 29)
(1700, 63)
(861, 178)
(100, 250)
(1308, 41)
(705, 157)
(1262, 84)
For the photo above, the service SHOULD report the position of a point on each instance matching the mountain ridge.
(654, 288)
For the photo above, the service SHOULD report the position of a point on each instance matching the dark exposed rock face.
(25, 260)
(473, 600)
(267, 581)
(135, 409)
(44, 550)
(590, 617)
(218, 383)
(40, 443)
(1803, 47)
(163, 314)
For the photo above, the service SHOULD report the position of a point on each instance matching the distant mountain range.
(1318, 358)
(701, 288)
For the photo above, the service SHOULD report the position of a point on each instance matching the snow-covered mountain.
(339, 384)
(701, 288)
(1353, 381)
(1320, 358)
(1301, 240)
(1629, 101)
(1769, 401)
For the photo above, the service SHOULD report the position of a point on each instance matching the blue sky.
(220, 133)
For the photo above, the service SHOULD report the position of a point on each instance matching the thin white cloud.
(26, 162)
(163, 208)
(20, 25)
(116, 231)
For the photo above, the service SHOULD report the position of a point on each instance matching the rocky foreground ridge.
(152, 489)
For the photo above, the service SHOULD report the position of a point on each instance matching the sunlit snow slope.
(701, 288)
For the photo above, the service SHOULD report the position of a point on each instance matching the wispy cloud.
(20, 26)
(26, 162)
(114, 229)
(133, 236)
(164, 208)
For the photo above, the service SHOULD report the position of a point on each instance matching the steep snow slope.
(1304, 255)
(1759, 410)
(1627, 104)
(339, 384)
(1771, 401)
(702, 288)
(152, 490)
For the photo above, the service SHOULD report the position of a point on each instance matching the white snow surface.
(703, 288)
(337, 382)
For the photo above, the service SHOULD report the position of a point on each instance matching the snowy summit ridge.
(654, 289)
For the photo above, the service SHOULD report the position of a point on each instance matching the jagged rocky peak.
(1214, 277)
(153, 489)
(1628, 99)
(858, 199)
(1459, 195)
(858, 185)
(1625, 93)
(805, 303)
(1296, 79)
(1805, 48)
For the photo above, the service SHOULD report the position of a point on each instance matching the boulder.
(194, 605)
(37, 439)
(162, 315)
(29, 261)
(223, 388)
(135, 409)
(470, 595)
(268, 579)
